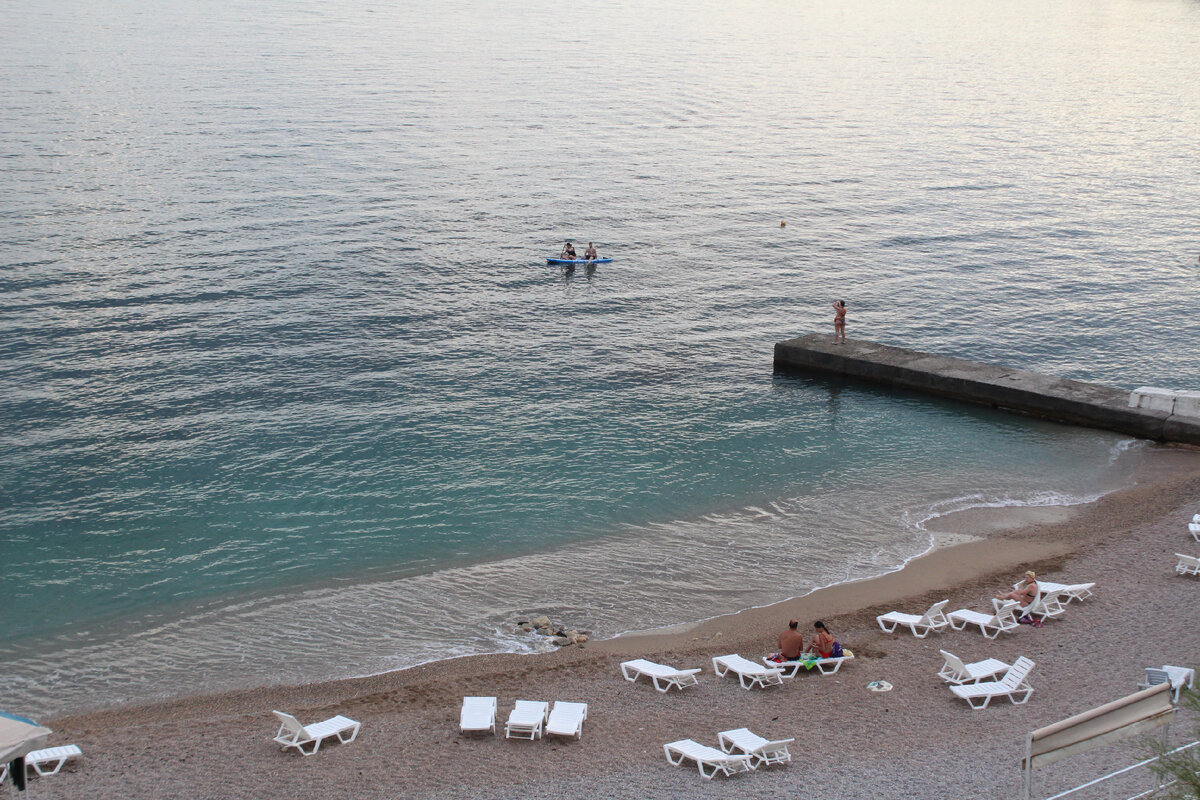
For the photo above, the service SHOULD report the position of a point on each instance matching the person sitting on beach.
(1026, 591)
(590, 253)
(567, 252)
(822, 641)
(791, 643)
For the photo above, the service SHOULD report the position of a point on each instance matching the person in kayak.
(590, 254)
(568, 252)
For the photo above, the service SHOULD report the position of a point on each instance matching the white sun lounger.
(1188, 565)
(826, 666)
(1012, 684)
(1178, 677)
(1194, 529)
(762, 751)
(293, 734)
(566, 719)
(48, 761)
(956, 672)
(933, 619)
(478, 714)
(527, 720)
(1068, 591)
(1046, 605)
(709, 760)
(749, 673)
(669, 676)
(1002, 619)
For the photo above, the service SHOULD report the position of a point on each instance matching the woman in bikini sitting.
(822, 641)
(1026, 591)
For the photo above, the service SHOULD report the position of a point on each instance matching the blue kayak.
(578, 261)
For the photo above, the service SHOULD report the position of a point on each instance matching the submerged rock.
(552, 634)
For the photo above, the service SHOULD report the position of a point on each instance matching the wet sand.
(916, 741)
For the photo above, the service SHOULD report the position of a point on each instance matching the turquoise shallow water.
(284, 371)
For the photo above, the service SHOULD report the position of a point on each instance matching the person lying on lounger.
(1026, 591)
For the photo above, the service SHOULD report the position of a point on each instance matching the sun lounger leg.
(40, 768)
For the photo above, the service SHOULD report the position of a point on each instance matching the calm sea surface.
(287, 391)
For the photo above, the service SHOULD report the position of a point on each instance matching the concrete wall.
(1017, 390)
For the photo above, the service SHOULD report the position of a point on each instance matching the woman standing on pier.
(839, 321)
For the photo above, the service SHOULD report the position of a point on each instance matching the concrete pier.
(1019, 390)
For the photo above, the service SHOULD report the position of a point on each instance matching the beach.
(297, 416)
(915, 741)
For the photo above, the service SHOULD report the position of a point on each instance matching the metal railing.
(1158, 787)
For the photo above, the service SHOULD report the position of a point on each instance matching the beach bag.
(837, 651)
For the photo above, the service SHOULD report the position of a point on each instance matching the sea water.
(289, 392)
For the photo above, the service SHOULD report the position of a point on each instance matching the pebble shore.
(916, 741)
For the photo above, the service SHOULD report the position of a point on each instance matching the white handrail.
(1123, 771)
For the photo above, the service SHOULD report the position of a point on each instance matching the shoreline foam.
(943, 529)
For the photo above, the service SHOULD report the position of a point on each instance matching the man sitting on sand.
(1026, 591)
(791, 643)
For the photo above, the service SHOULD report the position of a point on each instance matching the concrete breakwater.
(1025, 392)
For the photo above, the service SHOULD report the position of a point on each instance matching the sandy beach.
(917, 741)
